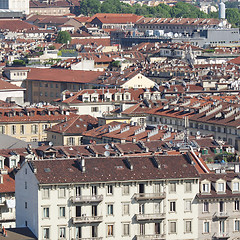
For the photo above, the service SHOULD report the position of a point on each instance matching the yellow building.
(29, 124)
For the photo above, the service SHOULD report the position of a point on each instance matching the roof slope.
(114, 169)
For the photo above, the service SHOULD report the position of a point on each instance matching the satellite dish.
(107, 147)
(106, 153)
(198, 133)
(50, 144)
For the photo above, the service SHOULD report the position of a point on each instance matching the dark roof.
(114, 169)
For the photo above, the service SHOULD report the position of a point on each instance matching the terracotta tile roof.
(8, 185)
(67, 171)
(15, 25)
(62, 75)
(92, 41)
(116, 18)
(52, 114)
(75, 125)
(4, 86)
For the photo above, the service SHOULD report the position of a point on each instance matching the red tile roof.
(15, 25)
(62, 75)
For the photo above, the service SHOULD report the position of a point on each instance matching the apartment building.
(218, 202)
(110, 198)
(29, 123)
(217, 116)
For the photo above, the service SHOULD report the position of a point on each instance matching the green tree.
(19, 63)
(89, 7)
(233, 16)
(63, 37)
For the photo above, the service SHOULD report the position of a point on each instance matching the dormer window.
(205, 188)
(236, 186)
(221, 187)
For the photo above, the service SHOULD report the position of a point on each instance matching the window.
(62, 232)
(46, 212)
(126, 229)
(110, 189)
(94, 109)
(26, 205)
(221, 206)
(125, 190)
(173, 227)
(62, 192)
(46, 233)
(142, 228)
(125, 208)
(78, 191)
(13, 130)
(188, 187)
(188, 205)
(206, 227)
(34, 129)
(22, 129)
(220, 187)
(157, 207)
(236, 205)
(45, 193)
(110, 230)
(172, 206)
(141, 208)
(206, 207)
(188, 226)
(62, 212)
(205, 187)
(237, 225)
(236, 186)
(94, 190)
(110, 209)
(2, 129)
(71, 141)
(172, 187)
(25, 185)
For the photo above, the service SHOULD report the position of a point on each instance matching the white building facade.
(119, 205)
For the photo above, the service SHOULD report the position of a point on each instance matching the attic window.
(47, 170)
(119, 167)
(77, 126)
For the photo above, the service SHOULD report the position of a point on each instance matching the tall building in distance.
(15, 5)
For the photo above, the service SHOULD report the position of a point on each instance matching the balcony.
(220, 215)
(149, 196)
(151, 237)
(87, 199)
(149, 217)
(87, 219)
(221, 235)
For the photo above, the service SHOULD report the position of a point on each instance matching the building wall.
(50, 11)
(220, 132)
(139, 81)
(28, 135)
(27, 205)
(60, 195)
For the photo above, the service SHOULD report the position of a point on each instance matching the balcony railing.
(149, 217)
(87, 219)
(220, 215)
(149, 196)
(151, 237)
(221, 235)
(86, 199)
